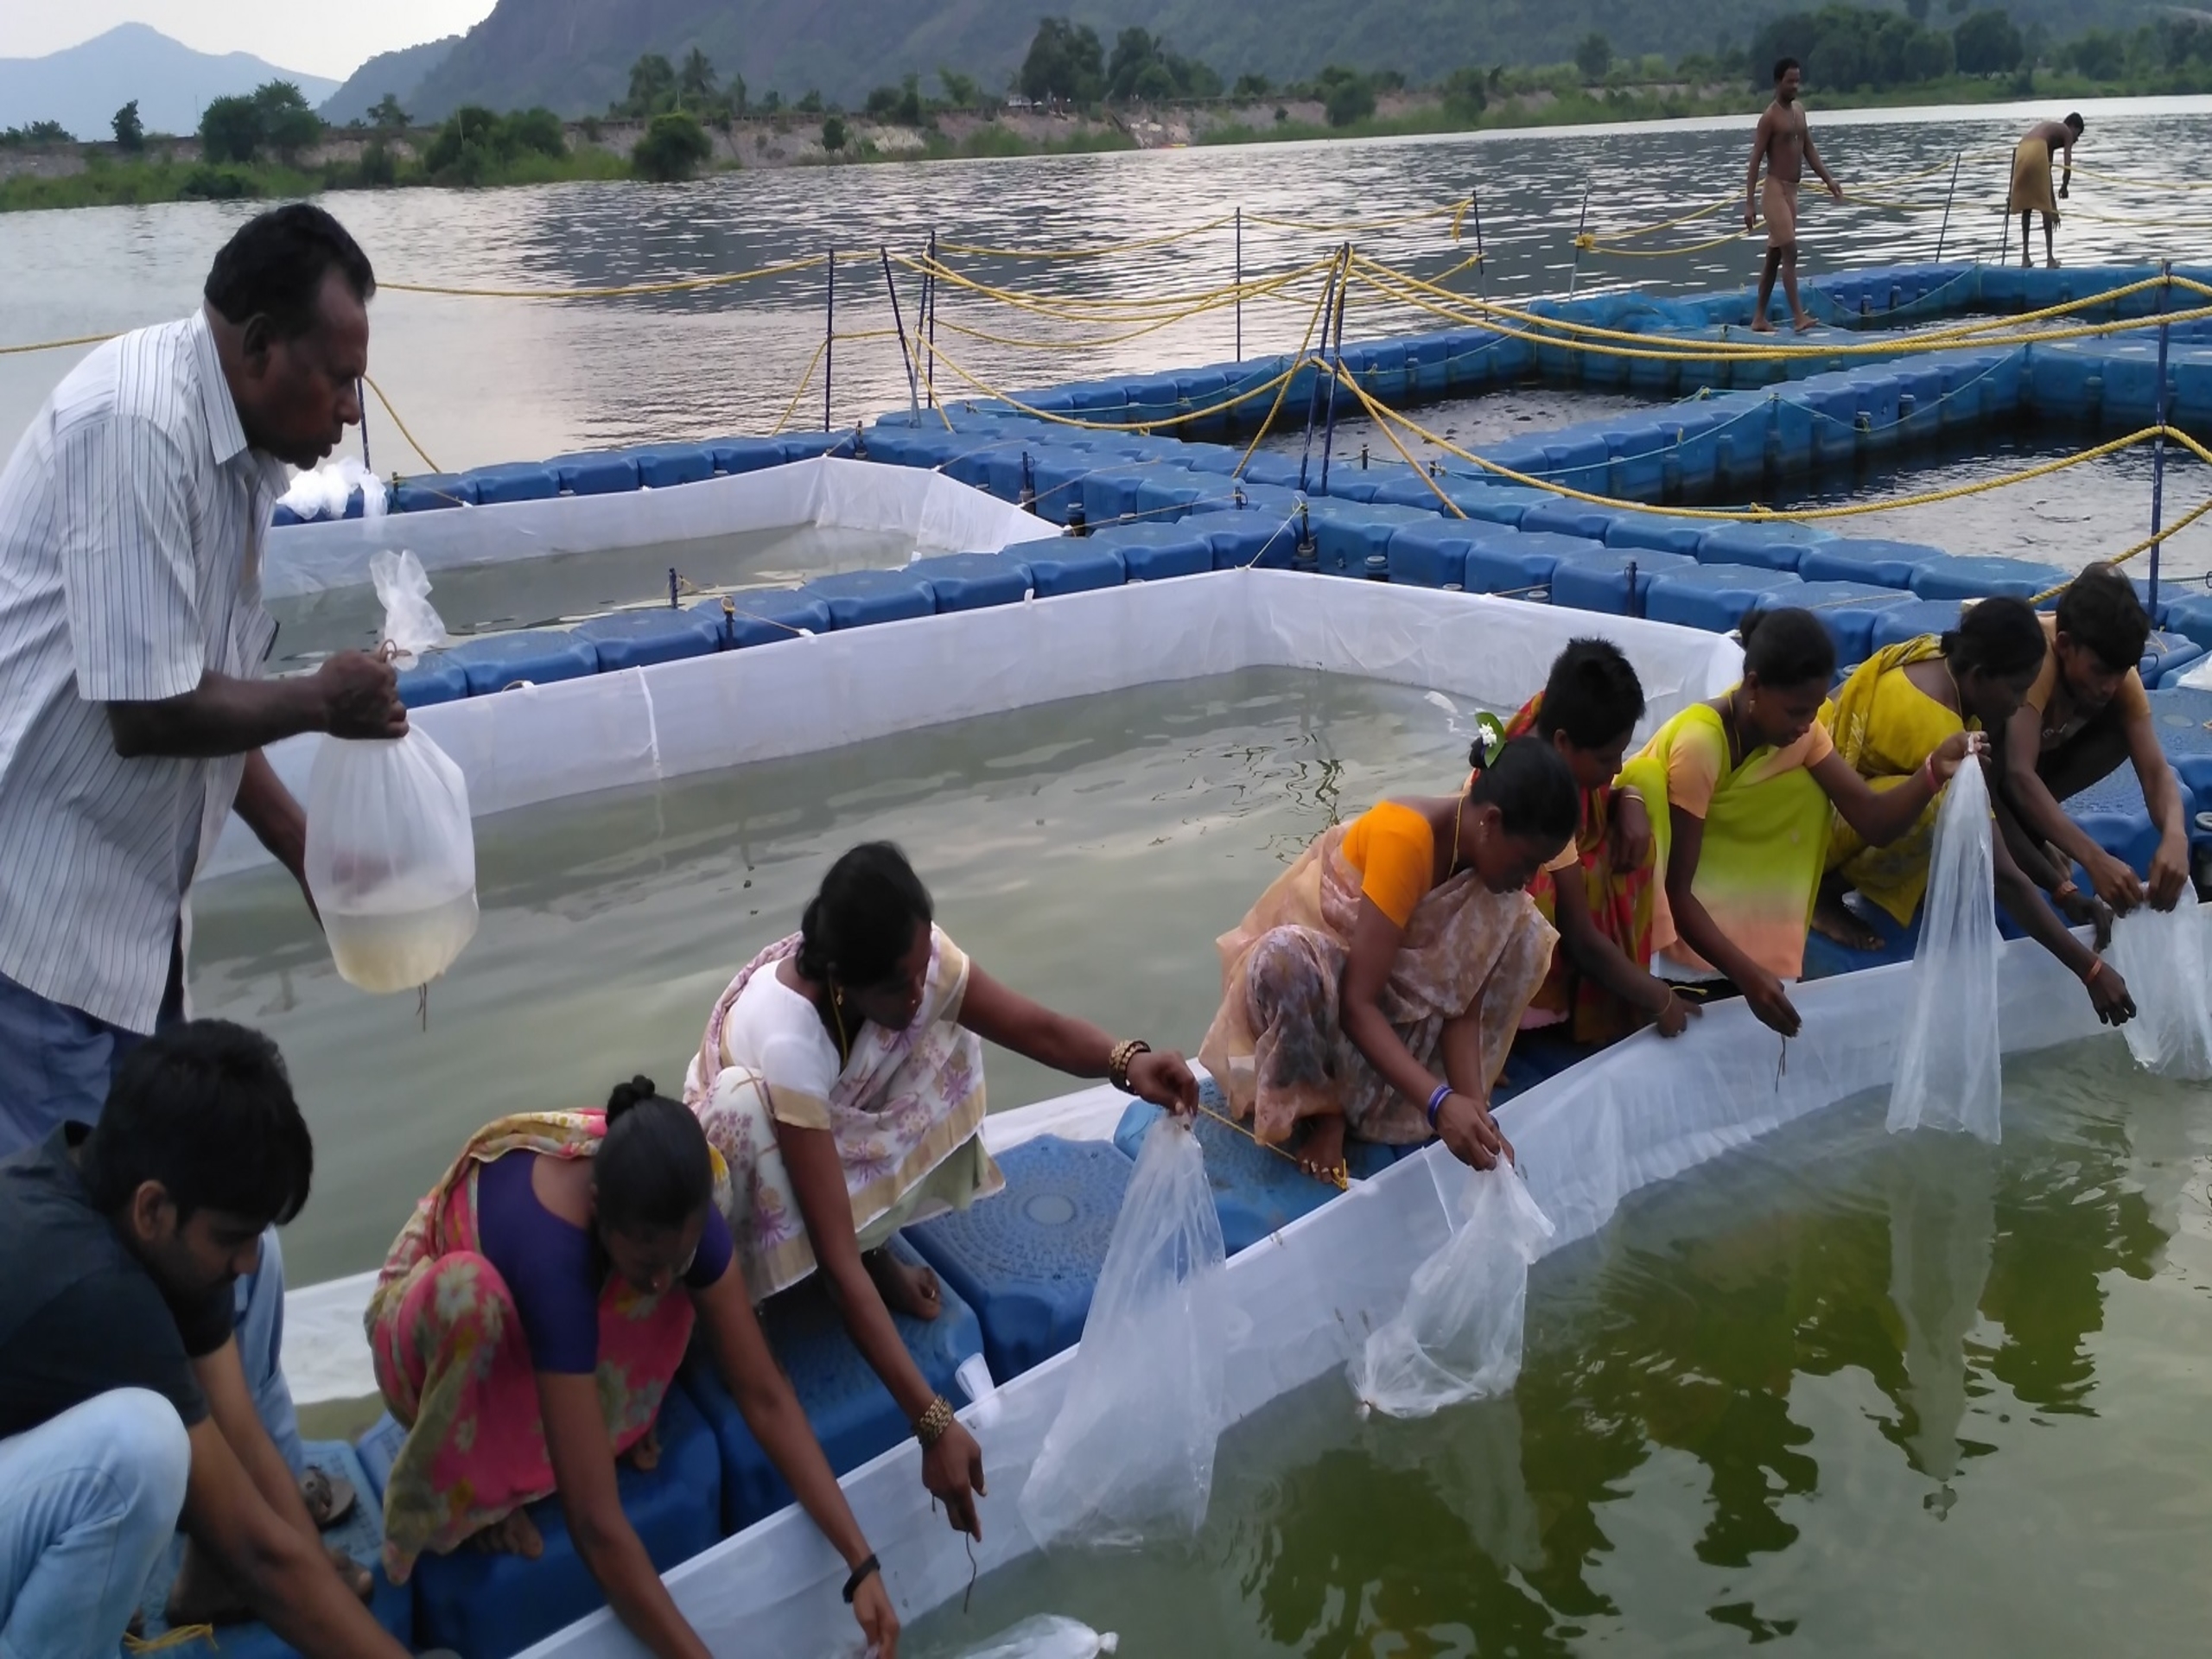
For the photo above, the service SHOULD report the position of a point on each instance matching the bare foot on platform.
(517, 1535)
(1321, 1154)
(911, 1290)
(1761, 326)
(1804, 323)
(1833, 920)
(645, 1451)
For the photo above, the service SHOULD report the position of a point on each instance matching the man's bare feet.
(1321, 1153)
(645, 1451)
(1761, 326)
(1803, 322)
(1831, 919)
(911, 1290)
(516, 1535)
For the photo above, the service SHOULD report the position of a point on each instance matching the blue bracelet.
(1436, 1102)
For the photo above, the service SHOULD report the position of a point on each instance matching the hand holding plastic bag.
(2162, 957)
(1047, 1636)
(1130, 1456)
(1950, 1071)
(1458, 1335)
(390, 853)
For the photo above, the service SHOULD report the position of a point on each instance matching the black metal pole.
(2158, 443)
(1581, 224)
(898, 321)
(1314, 399)
(929, 311)
(1948, 195)
(829, 337)
(361, 400)
(1329, 432)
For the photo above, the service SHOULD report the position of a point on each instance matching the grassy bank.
(107, 182)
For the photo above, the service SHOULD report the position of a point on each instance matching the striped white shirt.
(131, 515)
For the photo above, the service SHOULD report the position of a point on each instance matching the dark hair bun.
(624, 1095)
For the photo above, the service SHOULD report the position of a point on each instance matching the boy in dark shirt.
(124, 1403)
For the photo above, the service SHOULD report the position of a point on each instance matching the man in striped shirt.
(132, 708)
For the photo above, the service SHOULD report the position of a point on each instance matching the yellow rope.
(681, 285)
(401, 425)
(1112, 312)
(177, 1637)
(1282, 391)
(2139, 549)
(1210, 303)
(1419, 470)
(54, 345)
(804, 380)
(1455, 210)
(1057, 419)
(1336, 1178)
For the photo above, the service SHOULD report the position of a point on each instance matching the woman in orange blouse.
(1398, 945)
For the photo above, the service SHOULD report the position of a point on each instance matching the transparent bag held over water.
(1130, 1456)
(1950, 1074)
(1458, 1335)
(2162, 957)
(1047, 1635)
(390, 853)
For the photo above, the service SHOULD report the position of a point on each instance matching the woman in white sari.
(842, 1079)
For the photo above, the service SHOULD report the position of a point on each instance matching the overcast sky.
(319, 37)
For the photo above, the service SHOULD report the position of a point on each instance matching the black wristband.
(861, 1575)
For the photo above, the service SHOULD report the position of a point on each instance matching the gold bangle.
(929, 1427)
(1118, 1063)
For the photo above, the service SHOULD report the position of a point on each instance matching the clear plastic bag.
(2162, 957)
(1950, 1072)
(325, 492)
(1130, 1456)
(1458, 1335)
(411, 626)
(390, 853)
(1047, 1636)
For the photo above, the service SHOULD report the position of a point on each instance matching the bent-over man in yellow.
(2031, 193)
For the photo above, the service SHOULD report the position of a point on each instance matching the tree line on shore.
(1845, 48)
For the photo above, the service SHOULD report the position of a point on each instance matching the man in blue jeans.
(132, 709)
(124, 1405)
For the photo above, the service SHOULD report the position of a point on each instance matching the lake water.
(1852, 1392)
(486, 380)
(1085, 852)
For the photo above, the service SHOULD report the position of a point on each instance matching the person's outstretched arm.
(1062, 1041)
(1880, 816)
(2041, 816)
(583, 1474)
(771, 1411)
(1603, 961)
(1697, 929)
(1820, 168)
(1760, 140)
(2023, 902)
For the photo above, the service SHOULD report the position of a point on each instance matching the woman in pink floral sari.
(842, 1080)
(527, 1325)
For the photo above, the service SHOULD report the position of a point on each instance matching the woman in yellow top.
(1748, 778)
(1901, 706)
(1401, 944)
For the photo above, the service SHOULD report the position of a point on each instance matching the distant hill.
(573, 55)
(398, 73)
(83, 86)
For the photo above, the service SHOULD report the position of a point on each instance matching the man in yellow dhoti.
(2032, 158)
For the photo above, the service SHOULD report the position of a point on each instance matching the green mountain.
(573, 55)
(396, 74)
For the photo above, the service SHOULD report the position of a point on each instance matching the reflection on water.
(558, 588)
(1496, 416)
(480, 381)
(1087, 851)
(1868, 1393)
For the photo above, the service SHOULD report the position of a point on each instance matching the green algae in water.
(1845, 1391)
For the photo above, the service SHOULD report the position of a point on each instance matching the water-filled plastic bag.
(1458, 1335)
(1130, 1456)
(2162, 957)
(1047, 1636)
(1950, 1074)
(390, 853)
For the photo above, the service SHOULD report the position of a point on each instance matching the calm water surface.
(486, 380)
(1856, 1393)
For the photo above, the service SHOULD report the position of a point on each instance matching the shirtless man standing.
(2031, 193)
(1785, 144)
